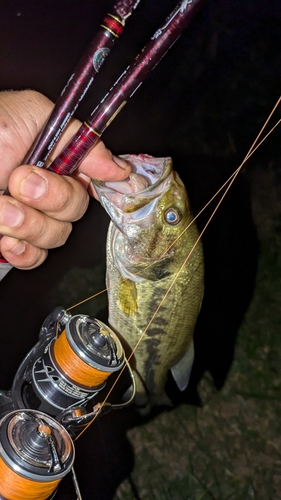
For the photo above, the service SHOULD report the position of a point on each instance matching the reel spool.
(67, 367)
(36, 452)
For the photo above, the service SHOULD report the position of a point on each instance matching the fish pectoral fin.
(128, 297)
(181, 371)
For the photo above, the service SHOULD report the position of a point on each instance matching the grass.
(231, 447)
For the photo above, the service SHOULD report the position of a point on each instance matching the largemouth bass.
(148, 213)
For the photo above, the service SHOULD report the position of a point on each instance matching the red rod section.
(111, 27)
(123, 89)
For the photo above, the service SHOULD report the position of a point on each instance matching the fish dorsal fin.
(128, 297)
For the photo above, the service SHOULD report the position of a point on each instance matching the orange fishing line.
(74, 367)
(15, 487)
(233, 176)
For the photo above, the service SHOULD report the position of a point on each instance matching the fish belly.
(159, 339)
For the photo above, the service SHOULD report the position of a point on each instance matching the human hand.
(38, 216)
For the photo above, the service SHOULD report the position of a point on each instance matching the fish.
(151, 232)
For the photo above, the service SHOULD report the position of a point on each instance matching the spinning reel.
(49, 403)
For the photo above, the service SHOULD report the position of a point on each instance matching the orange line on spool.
(15, 487)
(74, 367)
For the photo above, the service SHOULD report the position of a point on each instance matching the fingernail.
(11, 215)
(33, 186)
(120, 162)
(18, 248)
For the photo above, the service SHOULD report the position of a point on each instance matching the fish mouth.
(146, 182)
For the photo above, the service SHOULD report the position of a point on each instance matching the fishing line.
(231, 178)
(259, 144)
(98, 407)
(263, 127)
(228, 183)
(88, 298)
(17, 487)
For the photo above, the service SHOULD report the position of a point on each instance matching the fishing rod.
(111, 28)
(124, 88)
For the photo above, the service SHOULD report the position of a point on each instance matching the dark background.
(203, 105)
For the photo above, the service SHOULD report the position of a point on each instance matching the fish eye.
(172, 216)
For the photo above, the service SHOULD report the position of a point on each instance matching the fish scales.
(143, 259)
